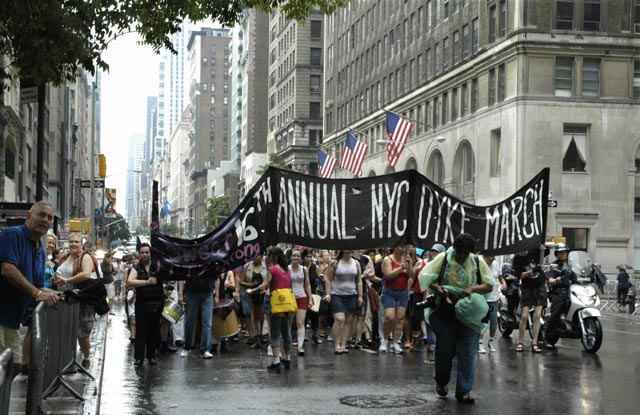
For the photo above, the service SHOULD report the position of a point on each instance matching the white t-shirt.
(495, 271)
(297, 282)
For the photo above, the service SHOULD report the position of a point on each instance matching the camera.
(430, 302)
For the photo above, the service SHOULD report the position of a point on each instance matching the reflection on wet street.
(568, 381)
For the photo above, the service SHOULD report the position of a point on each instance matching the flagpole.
(427, 126)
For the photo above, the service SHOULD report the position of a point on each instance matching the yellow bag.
(283, 301)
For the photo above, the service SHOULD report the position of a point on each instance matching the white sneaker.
(397, 348)
(384, 346)
(481, 349)
(269, 350)
(491, 347)
(184, 353)
(329, 338)
(207, 355)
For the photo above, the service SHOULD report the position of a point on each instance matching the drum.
(316, 303)
(225, 319)
(172, 311)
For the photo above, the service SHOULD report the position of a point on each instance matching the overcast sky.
(132, 76)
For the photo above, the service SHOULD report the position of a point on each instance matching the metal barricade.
(53, 353)
(635, 314)
(6, 378)
(609, 299)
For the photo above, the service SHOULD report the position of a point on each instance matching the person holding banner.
(278, 278)
(397, 270)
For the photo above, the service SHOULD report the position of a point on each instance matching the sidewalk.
(61, 401)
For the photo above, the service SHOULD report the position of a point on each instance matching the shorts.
(111, 291)
(347, 304)
(394, 298)
(87, 317)
(10, 339)
(534, 296)
(303, 303)
(493, 315)
(244, 303)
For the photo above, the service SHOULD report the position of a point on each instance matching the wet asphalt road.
(568, 381)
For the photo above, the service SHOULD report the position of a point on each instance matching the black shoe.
(86, 363)
(442, 390)
(223, 347)
(138, 362)
(168, 348)
(274, 367)
(152, 361)
(316, 339)
(549, 346)
(286, 364)
(465, 398)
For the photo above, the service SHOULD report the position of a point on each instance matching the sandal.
(519, 347)
(535, 349)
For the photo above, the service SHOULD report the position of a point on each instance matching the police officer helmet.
(561, 247)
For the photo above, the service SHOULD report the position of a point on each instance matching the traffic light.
(102, 166)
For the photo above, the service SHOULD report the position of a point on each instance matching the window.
(438, 58)
(465, 42)
(427, 64)
(456, 47)
(427, 15)
(636, 79)
(564, 77)
(314, 84)
(577, 238)
(435, 170)
(574, 147)
(636, 19)
(502, 86)
(463, 100)
(316, 29)
(412, 73)
(474, 95)
(492, 87)
(436, 113)
(445, 108)
(9, 163)
(454, 104)
(564, 14)
(315, 56)
(502, 18)
(591, 77)
(492, 23)
(420, 69)
(474, 35)
(314, 111)
(494, 153)
(592, 15)
(445, 54)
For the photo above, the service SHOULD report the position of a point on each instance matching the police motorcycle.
(581, 318)
(508, 323)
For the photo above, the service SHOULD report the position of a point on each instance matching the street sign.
(97, 184)
(552, 203)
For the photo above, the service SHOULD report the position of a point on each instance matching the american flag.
(326, 164)
(398, 131)
(353, 155)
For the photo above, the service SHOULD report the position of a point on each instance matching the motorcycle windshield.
(580, 265)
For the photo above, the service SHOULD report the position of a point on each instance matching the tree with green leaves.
(274, 161)
(49, 40)
(118, 228)
(170, 229)
(217, 211)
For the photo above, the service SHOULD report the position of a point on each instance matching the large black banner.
(382, 211)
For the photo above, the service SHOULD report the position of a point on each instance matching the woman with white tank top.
(302, 291)
(344, 294)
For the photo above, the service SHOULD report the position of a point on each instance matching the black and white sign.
(97, 184)
(383, 211)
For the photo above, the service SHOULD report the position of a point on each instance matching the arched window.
(372, 173)
(389, 170)
(464, 168)
(435, 168)
(411, 164)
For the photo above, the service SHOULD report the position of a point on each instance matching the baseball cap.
(438, 248)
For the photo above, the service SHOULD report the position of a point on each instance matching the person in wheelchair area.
(558, 293)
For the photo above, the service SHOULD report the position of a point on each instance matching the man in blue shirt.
(22, 268)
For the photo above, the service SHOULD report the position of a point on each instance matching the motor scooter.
(581, 317)
(507, 324)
